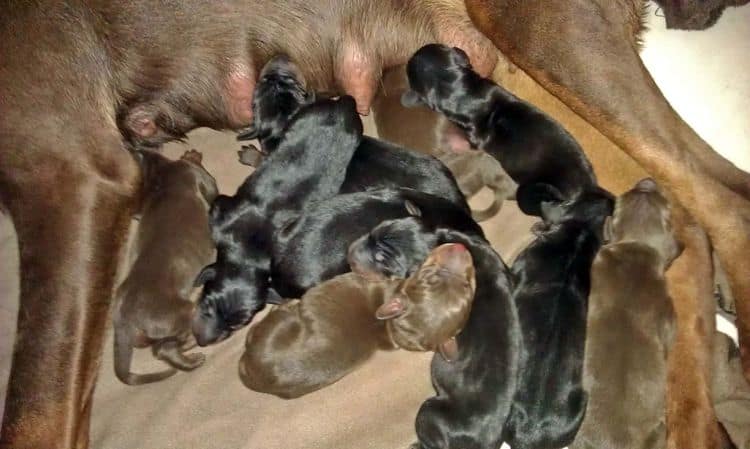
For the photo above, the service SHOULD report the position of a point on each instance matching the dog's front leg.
(71, 209)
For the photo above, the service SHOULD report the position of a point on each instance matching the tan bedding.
(210, 409)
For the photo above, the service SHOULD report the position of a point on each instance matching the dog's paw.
(195, 360)
(193, 155)
(250, 155)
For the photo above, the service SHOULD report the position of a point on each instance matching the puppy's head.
(228, 302)
(590, 207)
(279, 94)
(432, 305)
(643, 215)
(435, 72)
(393, 249)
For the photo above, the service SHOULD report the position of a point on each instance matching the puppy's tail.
(504, 190)
(489, 212)
(123, 356)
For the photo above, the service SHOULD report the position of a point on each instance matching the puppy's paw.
(193, 156)
(250, 155)
(194, 360)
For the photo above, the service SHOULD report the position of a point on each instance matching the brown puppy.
(630, 326)
(173, 243)
(428, 132)
(305, 345)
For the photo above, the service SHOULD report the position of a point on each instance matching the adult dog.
(77, 67)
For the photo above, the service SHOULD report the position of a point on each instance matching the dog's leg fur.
(691, 420)
(69, 242)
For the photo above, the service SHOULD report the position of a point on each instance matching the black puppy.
(474, 390)
(308, 165)
(375, 165)
(279, 94)
(313, 247)
(551, 287)
(530, 145)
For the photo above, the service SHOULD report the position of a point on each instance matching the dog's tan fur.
(304, 345)
(173, 243)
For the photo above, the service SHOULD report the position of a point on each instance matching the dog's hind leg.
(170, 351)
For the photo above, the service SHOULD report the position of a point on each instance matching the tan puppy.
(630, 326)
(305, 345)
(173, 243)
(427, 132)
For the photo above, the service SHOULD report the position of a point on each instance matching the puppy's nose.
(646, 185)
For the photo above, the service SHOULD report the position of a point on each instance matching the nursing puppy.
(313, 247)
(375, 164)
(551, 289)
(426, 131)
(173, 242)
(630, 326)
(304, 345)
(475, 390)
(531, 146)
(280, 93)
(309, 165)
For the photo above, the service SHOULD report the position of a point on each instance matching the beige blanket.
(210, 409)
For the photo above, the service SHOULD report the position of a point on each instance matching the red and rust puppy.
(304, 345)
(152, 306)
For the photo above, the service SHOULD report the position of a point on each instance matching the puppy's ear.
(410, 99)
(249, 133)
(413, 209)
(460, 58)
(207, 273)
(392, 308)
(532, 198)
(449, 349)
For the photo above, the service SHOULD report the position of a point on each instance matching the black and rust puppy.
(551, 287)
(309, 165)
(630, 326)
(304, 345)
(375, 164)
(313, 247)
(280, 93)
(474, 390)
(173, 242)
(530, 145)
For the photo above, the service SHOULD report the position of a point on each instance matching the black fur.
(551, 288)
(309, 165)
(530, 145)
(313, 247)
(375, 164)
(279, 94)
(475, 390)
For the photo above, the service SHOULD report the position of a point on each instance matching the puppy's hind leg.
(123, 357)
(170, 351)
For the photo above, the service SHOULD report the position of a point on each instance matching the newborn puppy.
(551, 289)
(475, 390)
(313, 247)
(173, 242)
(375, 164)
(279, 94)
(303, 346)
(531, 146)
(425, 131)
(474, 170)
(630, 326)
(309, 165)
